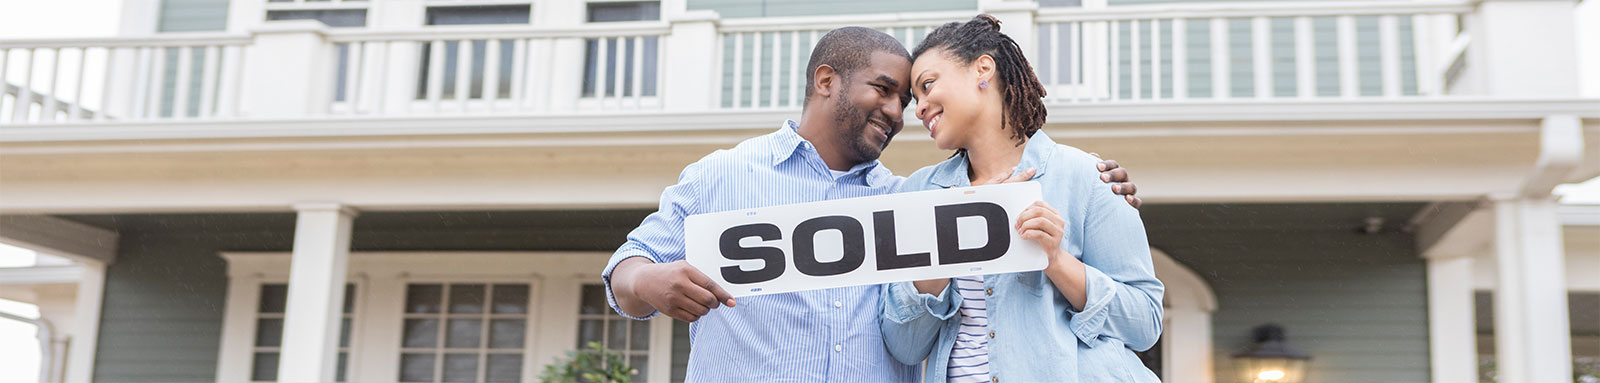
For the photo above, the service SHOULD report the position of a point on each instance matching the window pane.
(337, 18)
(424, 298)
(460, 368)
(617, 334)
(490, 14)
(269, 332)
(349, 299)
(641, 367)
(338, 372)
(506, 333)
(265, 368)
(629, 11)
(649, 66)
(421, 333)
(510, 299)
(639, 338)
(505, 368)
(416, 367)
(465, 333)
(344, 332)
(274, 298)
(594, 300)
(590, 60)
(589, 330)
(466, 299)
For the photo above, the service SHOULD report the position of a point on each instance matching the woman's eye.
(926, 85)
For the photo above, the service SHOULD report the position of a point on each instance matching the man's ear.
(826, 80)
(983, 68)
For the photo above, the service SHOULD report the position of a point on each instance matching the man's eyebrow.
(888, 80)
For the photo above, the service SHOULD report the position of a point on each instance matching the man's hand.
(1114, 174)
(675, 289)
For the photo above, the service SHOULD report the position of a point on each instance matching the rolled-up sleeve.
(1124, 296)
(911, 320)
(660, 237)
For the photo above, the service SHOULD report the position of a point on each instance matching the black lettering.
(889, 257)
(950, 251)
(805, 255)
(772, 256)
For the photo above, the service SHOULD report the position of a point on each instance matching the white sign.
(869, 240)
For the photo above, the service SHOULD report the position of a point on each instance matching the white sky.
(19, 348)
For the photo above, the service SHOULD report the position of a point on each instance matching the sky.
(19, 349)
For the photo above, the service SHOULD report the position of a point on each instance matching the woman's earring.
(983, 84)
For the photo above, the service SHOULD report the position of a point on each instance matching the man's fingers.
(717, 294)
(702, 296)
(1135, 201)
(721, 295)
(1126, 188)
(1115, 175)
(690, 305)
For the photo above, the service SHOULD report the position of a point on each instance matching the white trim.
(86, 325)
(40, 275)
(59, 237)
(1188, 303)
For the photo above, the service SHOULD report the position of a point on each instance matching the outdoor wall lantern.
(1271, 360)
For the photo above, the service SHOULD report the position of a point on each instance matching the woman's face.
(949, 101)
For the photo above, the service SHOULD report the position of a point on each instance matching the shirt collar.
(786, 142)
(1036, 154)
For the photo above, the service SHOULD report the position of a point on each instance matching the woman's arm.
(912, 320)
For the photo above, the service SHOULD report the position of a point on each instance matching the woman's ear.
(983, 68)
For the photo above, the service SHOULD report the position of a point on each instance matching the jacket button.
(991, 335)
(988, 291)
(995, 379)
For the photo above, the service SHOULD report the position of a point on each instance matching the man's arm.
(648, 272)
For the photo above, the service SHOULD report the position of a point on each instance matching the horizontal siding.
(1356, 303)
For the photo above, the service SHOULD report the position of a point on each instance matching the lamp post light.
(1271, 360)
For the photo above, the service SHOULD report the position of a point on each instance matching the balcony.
(1165, 56)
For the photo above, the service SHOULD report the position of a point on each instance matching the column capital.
(326, 207)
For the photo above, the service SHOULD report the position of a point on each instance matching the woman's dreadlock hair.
(1020, 89)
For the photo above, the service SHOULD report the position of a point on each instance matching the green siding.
(1356, 303)
(193, 15)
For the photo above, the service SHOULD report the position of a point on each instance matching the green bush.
(593, 364)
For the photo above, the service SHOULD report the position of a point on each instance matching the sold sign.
(870, 240)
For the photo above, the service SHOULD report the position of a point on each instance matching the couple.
(1077, 320)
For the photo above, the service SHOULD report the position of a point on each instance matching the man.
(858, 88)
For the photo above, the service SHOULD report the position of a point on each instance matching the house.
(426, 190)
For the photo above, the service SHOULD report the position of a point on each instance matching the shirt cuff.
(1099, 291)
(605, 275)
(907, 304)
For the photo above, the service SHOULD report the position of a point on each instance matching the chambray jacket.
(1038, 336)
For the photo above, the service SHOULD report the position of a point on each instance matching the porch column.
(1452, 335)
(1532, 337)
(316, 292)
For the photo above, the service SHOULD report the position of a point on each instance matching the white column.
(1527, 48)
(1532, 336)
(691, 85)
(316, 292)
(288, 72)
(1452, 335)
(1188, 346)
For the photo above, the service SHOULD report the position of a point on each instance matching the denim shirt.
(1037, 335)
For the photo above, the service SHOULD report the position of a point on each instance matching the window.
(598, 323)
(337, 18)
(269, 332)
(464, 332)
(621, 53)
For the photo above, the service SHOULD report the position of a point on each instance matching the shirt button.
(838, 348)
(988, 291)
(991, 335)
(838, 304)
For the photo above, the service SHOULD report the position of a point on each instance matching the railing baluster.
(103, 111)
(231, 81)
(24, 96)
(491, 73)
(47, 109)
(1155, 59)
(77, 91)
(464, 65)
(353, 72)
(1424, 64)
(795, 72)
(380, 75)
(141, 81)
(777, 66)
(1075, 60)
(1304, 59)
(436, 58)
(1135, 45)
(1180, 59)
(1054, 50)
(1261, 55)
(158, 82)
(208, 82)
(755, 71)
(618, 69)
(1221, 81)
(1349, 82)
(738, 68)
(638, 71)
(519, 63)
(1389, 46)
(1116, 62)
(180, 90)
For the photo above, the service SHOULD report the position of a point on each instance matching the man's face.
(868, 108)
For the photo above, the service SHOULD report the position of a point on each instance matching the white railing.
(176, 76)
(1237, 51)
(491, 70)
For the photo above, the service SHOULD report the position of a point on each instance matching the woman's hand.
(1043, 224)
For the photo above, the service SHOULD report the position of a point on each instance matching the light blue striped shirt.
(813, 336)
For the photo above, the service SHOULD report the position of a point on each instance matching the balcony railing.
(1230, 52)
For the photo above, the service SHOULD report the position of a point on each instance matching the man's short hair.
(848, 49)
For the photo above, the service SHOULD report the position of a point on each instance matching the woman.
(1082, 317)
